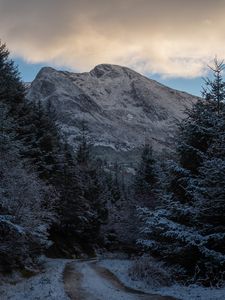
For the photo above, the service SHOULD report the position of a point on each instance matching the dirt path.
(85, 280)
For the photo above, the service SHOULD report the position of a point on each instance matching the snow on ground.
(98, 287)
(46, 285)
(121, 269)
(49, 284)
(87, 280)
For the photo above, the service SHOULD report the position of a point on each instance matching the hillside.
(121, 108)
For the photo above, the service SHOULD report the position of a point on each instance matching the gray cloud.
(171, 37)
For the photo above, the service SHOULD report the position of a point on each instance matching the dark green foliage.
(43, 141)
(214, 90)
(11, 87)
(34, 157)
(146, 178)
(25, 200)
(83, 190)
(114, 187)
(70, 205)
(83, 152)
(197, 133)
(93, 185)
(188, 229)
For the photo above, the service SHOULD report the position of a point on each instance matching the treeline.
(55, 198)
(50, 196)
(186, 226)
(26, 202)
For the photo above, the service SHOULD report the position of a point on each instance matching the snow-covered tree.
(83, 193)
(188, 228)
(11, 87)
(146, 178)
(93, 186)
(214, 89)
(42, 141)
(26, 204)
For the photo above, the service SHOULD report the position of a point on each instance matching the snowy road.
(86, 280)
(63, 279)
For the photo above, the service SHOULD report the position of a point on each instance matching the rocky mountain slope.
(122, 109)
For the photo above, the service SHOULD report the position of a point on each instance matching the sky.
(171, 41)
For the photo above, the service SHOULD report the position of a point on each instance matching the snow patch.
(193, 292)
(47, 285)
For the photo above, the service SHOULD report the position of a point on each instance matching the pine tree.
(72, 203)
(214, 90)
(197, 131)
(40, 134)
(145, 180)
(11, 87)
(93, 186)
(114, 187)
(26, 203)
(188, 229)
(35, 124)
(82, 204)
(84, 148)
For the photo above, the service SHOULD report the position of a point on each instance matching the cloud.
(170, 37)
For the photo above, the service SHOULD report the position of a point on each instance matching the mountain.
(121, 108)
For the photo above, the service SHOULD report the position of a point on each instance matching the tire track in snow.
(85, 280)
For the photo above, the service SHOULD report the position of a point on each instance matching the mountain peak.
(112, 71)
(121, 108)
(46, 70)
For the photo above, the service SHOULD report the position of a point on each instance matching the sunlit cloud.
(174, 38)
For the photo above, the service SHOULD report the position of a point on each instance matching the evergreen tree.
(214, 90)
(11, 87)
(188, 229)
(26, 203)
(114, 186)
(82, 204)
(40, 134)
(145, 180)
(45, 165)
(71, 207)
(84, 148)
(93, 186)
(35, 124)
(198, 130)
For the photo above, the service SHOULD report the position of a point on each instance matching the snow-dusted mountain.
(121, 108)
